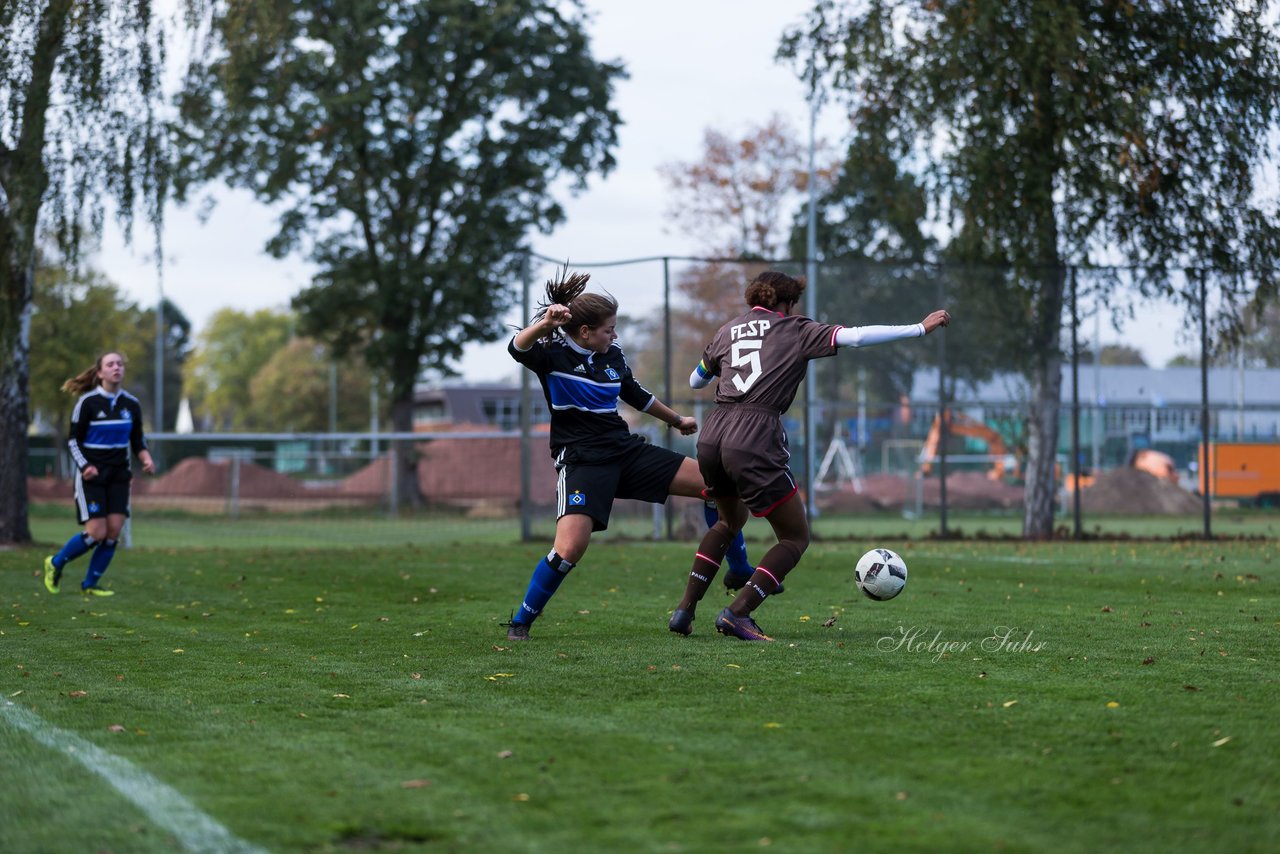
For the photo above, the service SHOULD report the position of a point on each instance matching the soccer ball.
(880, 574)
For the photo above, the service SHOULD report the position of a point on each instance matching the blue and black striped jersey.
(582, 389)
(104, 427)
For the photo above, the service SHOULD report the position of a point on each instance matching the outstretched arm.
(866, 336)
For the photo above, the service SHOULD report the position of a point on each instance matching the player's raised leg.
(573, 534)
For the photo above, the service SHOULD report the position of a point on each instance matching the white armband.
(866, 336)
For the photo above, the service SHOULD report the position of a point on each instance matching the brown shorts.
(742, 451)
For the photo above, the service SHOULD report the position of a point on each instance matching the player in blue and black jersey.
(571, 346)
(106, 425)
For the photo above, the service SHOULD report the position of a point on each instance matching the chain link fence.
(924, 437)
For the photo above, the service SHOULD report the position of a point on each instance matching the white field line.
(163, 804)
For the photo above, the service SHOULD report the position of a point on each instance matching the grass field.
(1064, 697)
(363, 529)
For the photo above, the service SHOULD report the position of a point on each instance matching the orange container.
(1241, 469)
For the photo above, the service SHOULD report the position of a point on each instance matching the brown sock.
(767, 578)
(706, 563)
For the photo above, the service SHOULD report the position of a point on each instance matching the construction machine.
(1003, 463)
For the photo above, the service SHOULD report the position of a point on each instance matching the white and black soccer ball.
(880, 574)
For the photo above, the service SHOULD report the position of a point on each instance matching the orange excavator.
(1155, 463)
(959, 424)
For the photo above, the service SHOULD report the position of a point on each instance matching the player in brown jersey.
(761, 358)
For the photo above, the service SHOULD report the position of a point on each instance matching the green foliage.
(79, 92)
(1258, 343)
(292, 391)
(176, 340)
(79, 87)
(1074, 133)
(736, 196)
(308, 702)
(1113, 354)
(875, 210)
(230, 351)
(79, 316)
(1261, 338)
(411, 147)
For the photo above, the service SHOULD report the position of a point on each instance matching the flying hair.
(562, 290)
(568, 289)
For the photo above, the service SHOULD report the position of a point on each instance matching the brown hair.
(584, 309)
(87, 380)
(771, 289)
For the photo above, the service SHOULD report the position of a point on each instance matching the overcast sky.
(693, 65)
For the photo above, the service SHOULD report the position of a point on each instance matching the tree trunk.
(1043, 162)
(406, 473)
(21, 183)
(15, 345)
(24, 179)
(1042, 420)
(1042, 444)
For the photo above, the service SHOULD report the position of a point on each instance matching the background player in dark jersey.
(571, 347)
(106, 424)
(761, 358)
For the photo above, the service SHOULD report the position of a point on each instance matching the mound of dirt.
(49, 489)
(965, 491)
(845, 500)
(371, 480)
(489, 469)
(467, 472)
(1135, 492)
(973, 490)
(197, 476)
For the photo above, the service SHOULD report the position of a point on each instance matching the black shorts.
(104, 495)
(742, 452)
(642, 472)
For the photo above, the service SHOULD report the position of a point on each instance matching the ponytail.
(584, 309)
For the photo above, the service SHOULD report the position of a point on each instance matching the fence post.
(944, 422)
(233, 488)
(1204, 406)
(526, 418)
(1075, 410)
(668, 507)
(393, 469)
